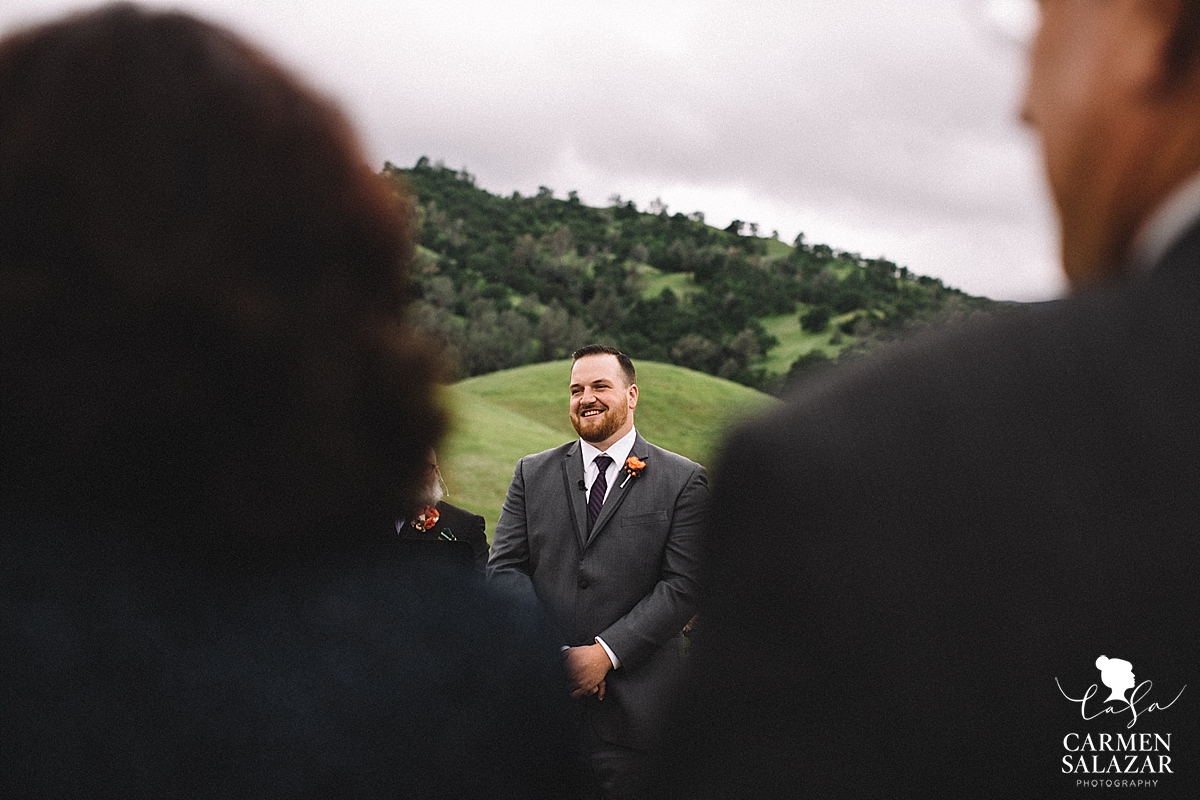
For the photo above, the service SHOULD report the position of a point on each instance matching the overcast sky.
(883, 128)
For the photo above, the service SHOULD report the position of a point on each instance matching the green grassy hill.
(502, 416)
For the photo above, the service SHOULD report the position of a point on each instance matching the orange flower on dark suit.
(426, 519)
(633, 468)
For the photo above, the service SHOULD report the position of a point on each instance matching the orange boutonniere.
(426, 519)
(633, 468)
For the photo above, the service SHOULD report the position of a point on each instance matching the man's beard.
(431, 495)
(611, 421)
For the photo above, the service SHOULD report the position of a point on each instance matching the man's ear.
(633, 395)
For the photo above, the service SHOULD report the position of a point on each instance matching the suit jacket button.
(583, 584)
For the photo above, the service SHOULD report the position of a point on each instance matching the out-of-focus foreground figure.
(949, 539)
(213, 414)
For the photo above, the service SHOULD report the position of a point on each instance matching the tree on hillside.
(816, 319)
(606, 308)
(559, 334)
(447, 331)
(439, 292)
(496, 341)
(696, 352)
(807, 365)
(741, 353)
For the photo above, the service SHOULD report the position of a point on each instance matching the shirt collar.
(1167, 225)
(618, 452)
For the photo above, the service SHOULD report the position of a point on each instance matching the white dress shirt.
(618, 452)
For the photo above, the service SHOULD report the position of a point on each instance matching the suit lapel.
(619, 491)
(572, 469)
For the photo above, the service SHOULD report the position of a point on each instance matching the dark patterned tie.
(596, 498)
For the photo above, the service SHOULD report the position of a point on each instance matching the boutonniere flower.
(633, 468)
(426, 519)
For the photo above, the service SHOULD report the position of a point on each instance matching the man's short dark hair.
(604, 350)
(203, 289)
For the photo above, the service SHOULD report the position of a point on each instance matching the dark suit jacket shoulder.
(466, 527)
(946, 534)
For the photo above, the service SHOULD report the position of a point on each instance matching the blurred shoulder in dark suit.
(951, 539)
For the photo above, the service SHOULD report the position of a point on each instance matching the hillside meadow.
(502, 416)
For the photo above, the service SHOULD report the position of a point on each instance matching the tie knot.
(602, 461)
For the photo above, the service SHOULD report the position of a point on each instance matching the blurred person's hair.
(202, 297)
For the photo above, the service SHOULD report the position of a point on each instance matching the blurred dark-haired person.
(213, 413)
(604, 532)
(951, 538)
(437, 530)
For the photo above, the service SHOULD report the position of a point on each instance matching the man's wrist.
(612, 657)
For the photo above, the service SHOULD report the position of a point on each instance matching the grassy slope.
(793, 342)
(777, 248)
(681, 283)
(503, 416)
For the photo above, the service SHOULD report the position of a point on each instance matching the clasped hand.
(587, 668)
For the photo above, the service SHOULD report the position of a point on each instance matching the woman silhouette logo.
(1116, 674)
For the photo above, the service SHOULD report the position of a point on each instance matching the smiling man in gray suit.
(605, 531)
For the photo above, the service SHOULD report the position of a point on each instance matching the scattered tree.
(816, 319)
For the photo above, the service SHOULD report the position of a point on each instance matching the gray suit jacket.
(631, 580)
